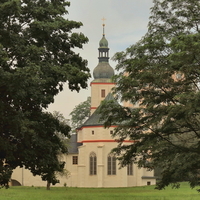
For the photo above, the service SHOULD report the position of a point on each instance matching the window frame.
(103, 93)
(111, 165)
(74, 160)
(130, 169)
(92, 164)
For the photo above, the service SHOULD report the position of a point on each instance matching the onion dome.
(103, 42)
(103, 70)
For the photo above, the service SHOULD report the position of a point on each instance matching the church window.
(92, 132)
(111, 132)
(75, 160)
(130, 169)
(103, 93)
(93, 164)
(111, 164)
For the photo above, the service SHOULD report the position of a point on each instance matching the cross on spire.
(103, 19)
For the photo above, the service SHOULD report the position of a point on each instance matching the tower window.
(92, 132)
(111, 132)
(103, 93)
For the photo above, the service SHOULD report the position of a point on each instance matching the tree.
(46, 146)
(52, 173)
(160, 74)
(80, 114)
(36, 59)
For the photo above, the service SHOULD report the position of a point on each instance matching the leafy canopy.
(36, 58)
(159, 76)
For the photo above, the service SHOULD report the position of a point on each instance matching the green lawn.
(134, 193)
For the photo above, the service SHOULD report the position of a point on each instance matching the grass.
(133, 193)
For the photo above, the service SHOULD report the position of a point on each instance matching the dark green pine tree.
(37, 57)
(160, 73)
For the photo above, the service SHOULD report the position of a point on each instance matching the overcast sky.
(126, 22)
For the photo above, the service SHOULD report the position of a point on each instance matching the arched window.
(93, 164)
(111, 164)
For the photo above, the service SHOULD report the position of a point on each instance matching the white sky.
(126, 22)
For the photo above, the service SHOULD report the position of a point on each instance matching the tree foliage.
(5, 174)
(36, 58)
(50, 171)
(160, 76)
(80, 114)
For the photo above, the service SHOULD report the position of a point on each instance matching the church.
(90, 162)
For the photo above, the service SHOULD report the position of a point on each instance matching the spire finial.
(103, 26)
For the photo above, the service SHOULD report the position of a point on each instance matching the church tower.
(90, 161)
(103, 72)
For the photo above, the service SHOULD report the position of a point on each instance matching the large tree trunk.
(48, 185)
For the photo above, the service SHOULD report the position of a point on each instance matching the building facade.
(90, 161)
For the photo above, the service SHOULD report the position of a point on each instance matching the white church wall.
(101, 179)
(95, 133)
(26, 178)
(72, 179)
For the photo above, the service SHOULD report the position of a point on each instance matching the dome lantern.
(103, 69)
